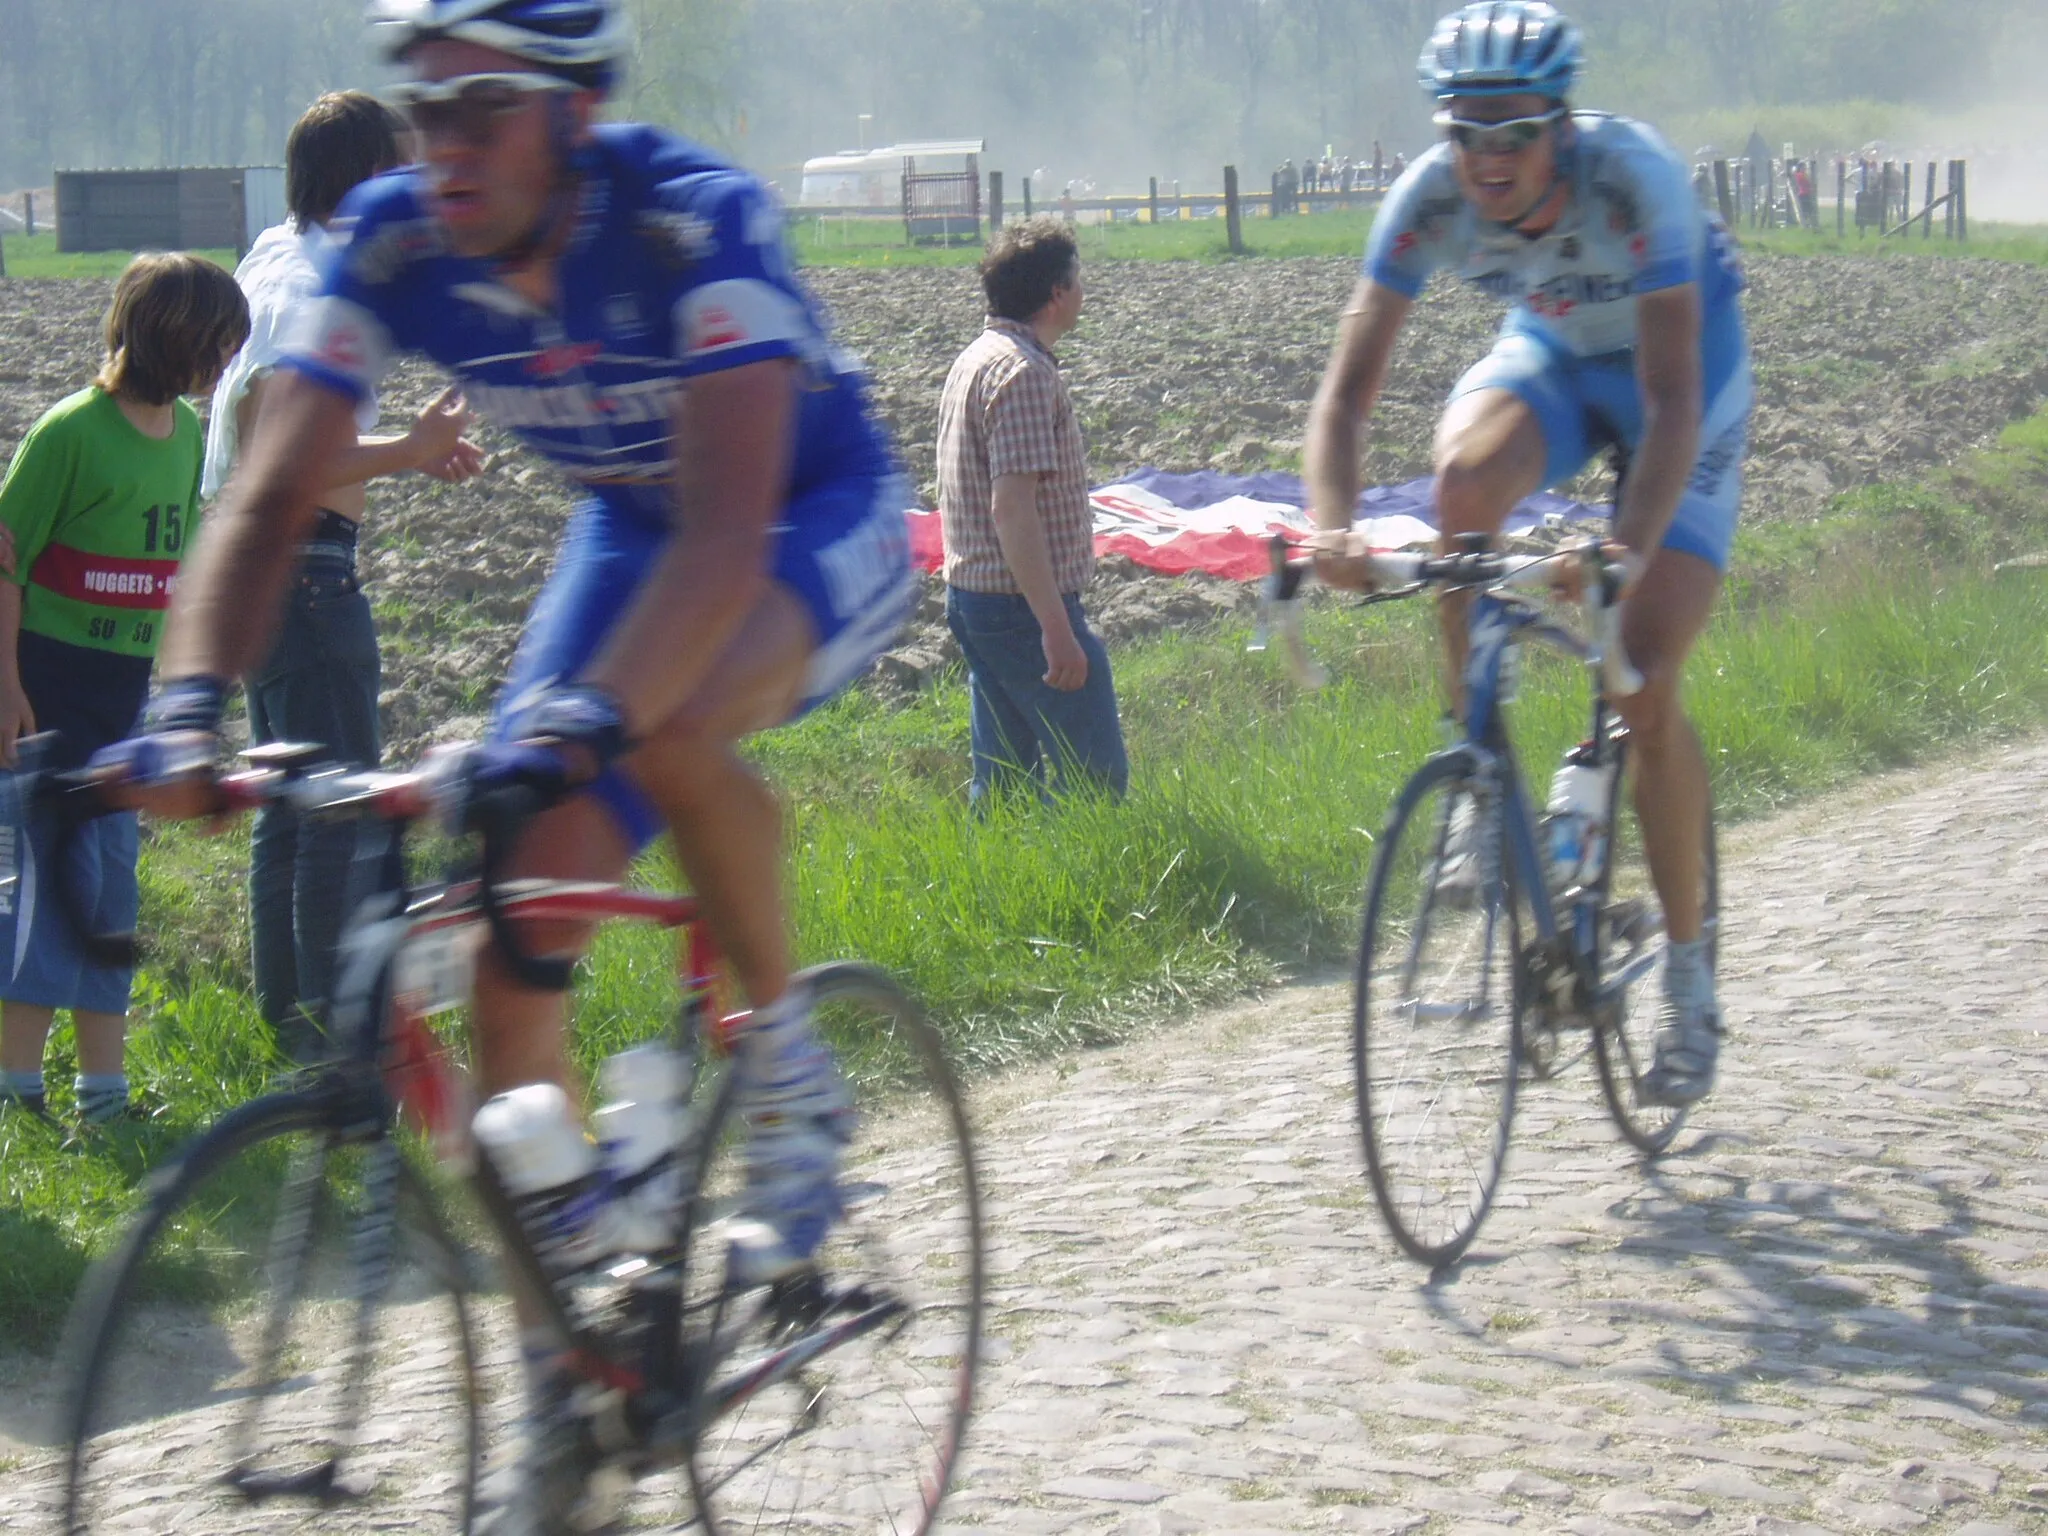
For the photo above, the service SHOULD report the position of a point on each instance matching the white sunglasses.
(471, 106)
(1508, 137)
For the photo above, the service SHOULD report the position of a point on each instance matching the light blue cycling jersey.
(676, 268)
(1633, 226)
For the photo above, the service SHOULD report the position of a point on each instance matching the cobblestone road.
(1827, 1310)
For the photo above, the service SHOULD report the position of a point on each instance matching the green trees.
(1110, 90)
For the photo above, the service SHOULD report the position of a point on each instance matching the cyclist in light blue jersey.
(620, 300)
(1624, 331)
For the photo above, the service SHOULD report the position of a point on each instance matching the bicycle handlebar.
(1402, 573)
(429, 792)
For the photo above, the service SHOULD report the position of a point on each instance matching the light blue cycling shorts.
(1586, 405)
(842, 548)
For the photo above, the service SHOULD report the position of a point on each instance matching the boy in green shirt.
(100, 502)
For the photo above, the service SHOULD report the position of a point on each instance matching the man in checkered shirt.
(1020, 543)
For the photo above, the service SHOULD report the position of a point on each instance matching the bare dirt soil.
(1867, 372)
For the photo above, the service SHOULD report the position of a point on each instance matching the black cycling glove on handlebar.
(565, 722)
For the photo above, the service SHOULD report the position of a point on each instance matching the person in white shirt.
(321, 681)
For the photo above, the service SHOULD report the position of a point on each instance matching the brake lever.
(1280, 611)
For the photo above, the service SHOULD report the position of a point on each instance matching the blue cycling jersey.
(1632, 226)
(676, 268)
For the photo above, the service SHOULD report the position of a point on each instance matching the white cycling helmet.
(580, 40)
(1502, 48)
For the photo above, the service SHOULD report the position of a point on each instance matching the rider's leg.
(1662, 622)
(1490, 454)
(728, 837)
(520, 1030)
(726, 822)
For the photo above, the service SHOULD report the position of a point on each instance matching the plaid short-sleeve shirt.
(1006, 411)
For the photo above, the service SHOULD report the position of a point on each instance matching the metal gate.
(942, 205)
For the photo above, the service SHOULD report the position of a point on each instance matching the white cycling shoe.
(1688, 1052)
(799, 1119)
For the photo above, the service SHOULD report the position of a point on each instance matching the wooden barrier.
(1723, 193)
(1233, 218)
(995, 201)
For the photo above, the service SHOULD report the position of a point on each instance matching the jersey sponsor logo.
(1639, 248)
(858, 567)
(569, 407)
(741, 312)
(380, 257)
(107, 581)
(1568, 290)
(553, 362)
(717, 327)
(1404, 243)
(342, 347)
(689, 236)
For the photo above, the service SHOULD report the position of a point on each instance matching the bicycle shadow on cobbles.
(1783, 1284)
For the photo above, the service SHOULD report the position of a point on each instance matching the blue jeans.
(1019, 723)
(319, 685)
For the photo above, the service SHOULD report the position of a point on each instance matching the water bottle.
(551, 1171)
(640, 1132)
(1575, 820)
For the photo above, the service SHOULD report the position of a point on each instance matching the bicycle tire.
(1629, 933)
(196, 1344)
(1424, 1058)
(872, 1428)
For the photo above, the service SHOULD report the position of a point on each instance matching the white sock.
(1689, 973)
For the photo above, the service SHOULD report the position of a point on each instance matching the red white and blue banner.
(1220, 524)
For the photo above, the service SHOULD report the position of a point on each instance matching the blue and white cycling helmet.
(580, 40)
(1503, 48)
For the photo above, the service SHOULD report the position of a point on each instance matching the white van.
(873, 178)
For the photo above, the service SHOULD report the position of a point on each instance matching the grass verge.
(37, 256)
(880, 243)
(1863, 642)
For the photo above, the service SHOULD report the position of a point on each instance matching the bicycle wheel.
(286, 1326)
(1437, 1042)
(865, 1433)
(1629, 939)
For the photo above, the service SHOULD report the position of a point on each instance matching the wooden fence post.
(995, 201)
(1927, 227)
(1155, 200)
(28, 204)
(1841, 195)
(1770, 195)
(1027, 197)
(1963, 200)
(1723, 194)
(1233, 222)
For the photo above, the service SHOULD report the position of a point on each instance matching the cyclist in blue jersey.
(622, 302)
(1624, 331)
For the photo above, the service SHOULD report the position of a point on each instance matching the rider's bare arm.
(732, 436)
(1351, 386)
(1668, 370)
(231, 591)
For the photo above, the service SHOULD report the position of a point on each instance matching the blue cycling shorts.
(1586, 405)
(843, 549)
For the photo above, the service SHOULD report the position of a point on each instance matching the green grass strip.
(37, 256)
